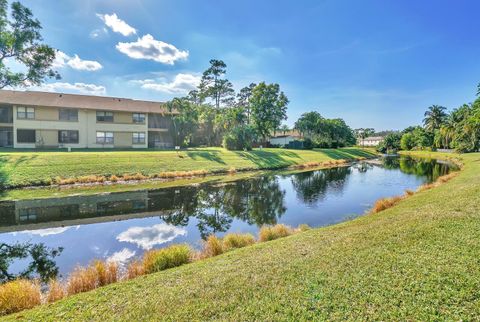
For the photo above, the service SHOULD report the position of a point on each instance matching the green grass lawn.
(417, 261)
(25, 168)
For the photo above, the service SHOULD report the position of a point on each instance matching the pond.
(121, 226)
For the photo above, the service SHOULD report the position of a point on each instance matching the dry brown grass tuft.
(231, 241)
(409, 193)
(82, 279)
(212, 247)
(19, 295)
(107, 272)
(303, 227)
(385, 203)
(56, 291)
(134, 269)
(113, 178)
(268, 233)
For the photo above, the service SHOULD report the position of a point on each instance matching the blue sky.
(374, 63)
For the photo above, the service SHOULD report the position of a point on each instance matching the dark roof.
(89, 102)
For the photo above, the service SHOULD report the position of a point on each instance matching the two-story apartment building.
(31, 119)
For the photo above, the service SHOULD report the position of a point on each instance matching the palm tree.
(284, 128)
(434, 117)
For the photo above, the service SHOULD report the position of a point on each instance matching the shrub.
(239, 138)
(134, 269)
(55, 291)
(161, 259)
(19, 295)
(231, 241)
(268, 233)
(212, 247)
(82, 279)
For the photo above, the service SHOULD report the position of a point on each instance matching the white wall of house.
(282, 140)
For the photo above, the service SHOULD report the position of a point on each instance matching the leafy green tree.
(185, 122)
(407, 142)
(434, 117)
(391, 142)
(311, 125)
(20, 40)
(269, 108)
(243, 99)
(239, 138)
(213, 86)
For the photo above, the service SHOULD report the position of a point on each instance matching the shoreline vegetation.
(22, 294)
(27, 294)
(31, 170)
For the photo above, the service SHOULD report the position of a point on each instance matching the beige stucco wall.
(119, 130)
(47, 138)
(46, 113)
(54, 125)
(47, 125)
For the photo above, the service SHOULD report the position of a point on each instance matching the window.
(139, 138)
(104, 116)
(67, 136)
(105, 137)
(68, 114)
(138, 118)
(26, 136)
(6, 115)
(25, 113)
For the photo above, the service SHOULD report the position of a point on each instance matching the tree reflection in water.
(257, 201)
(41, 264)
(312, 186)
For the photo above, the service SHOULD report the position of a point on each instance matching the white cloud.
(82, 88)
(62, 60)
(181, 84)
(47, 231)
(147, 237)
(149, 48)
(122, 256)
(117, 24)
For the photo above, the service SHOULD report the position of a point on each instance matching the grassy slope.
(29, 168)
(418, 260)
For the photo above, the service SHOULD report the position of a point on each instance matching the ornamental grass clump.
(134, 269)
(213, 246)
(268, 233)
(107, 272)
(161, 259)
(82, 279)
(231, 241)
(385, 203)
(56, 291)
(19, 295)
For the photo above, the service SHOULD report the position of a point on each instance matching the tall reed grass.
(19, 295)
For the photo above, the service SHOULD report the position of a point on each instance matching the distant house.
(371, 141)
(282, 138)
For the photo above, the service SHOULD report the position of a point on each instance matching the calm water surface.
(121, 226)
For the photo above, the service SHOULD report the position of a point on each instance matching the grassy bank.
(28, 168)
(415, 261)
